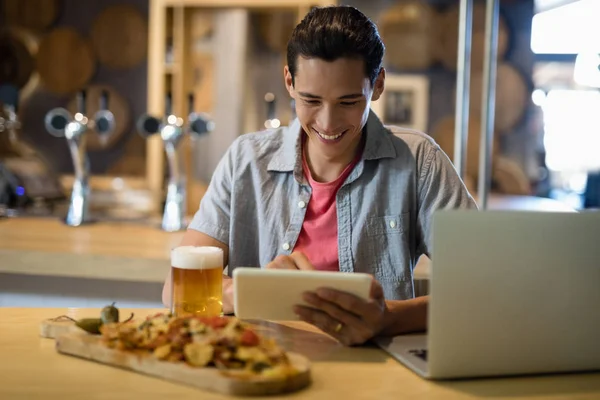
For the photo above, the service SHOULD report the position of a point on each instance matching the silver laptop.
(512, 293)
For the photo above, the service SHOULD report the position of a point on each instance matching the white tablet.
(271, 294)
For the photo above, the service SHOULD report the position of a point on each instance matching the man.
(336, 190)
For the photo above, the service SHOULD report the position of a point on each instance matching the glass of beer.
(197, 279)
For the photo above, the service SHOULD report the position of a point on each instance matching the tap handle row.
(197, 123)
(57, 119)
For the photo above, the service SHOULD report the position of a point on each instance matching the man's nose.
(327, 121)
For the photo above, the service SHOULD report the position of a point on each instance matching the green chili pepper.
(90, 325)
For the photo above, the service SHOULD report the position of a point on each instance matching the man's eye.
(311, 102)
(349, 103)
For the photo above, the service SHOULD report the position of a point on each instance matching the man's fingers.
(345, 333)
(293, 261)
(333, 310)
(322, 321)
(345, 301)
(282, 262)
(376, 290)
(302, 262)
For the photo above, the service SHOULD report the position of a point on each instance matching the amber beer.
(197, 281)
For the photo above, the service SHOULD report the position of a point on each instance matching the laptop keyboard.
(421, 353)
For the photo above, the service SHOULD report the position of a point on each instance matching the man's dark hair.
(330, 33)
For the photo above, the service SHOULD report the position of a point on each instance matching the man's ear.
(289, 84)
(379, 85)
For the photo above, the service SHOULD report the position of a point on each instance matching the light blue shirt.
(258, 196)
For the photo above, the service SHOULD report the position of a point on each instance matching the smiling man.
(335, 190)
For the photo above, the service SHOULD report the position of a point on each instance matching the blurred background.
(149, 55)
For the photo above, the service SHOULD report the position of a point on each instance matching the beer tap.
(171, 131)
(60, 123)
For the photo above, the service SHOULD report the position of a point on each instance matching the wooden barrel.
(65, 61)
(116, 104)
(447, 48)
(512, 97)
(18, 48)
(120, 36)
(443, 133)
(509, 177)
(275, 28)
(36, 15)
(409, 31)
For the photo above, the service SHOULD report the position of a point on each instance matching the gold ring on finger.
(338, 327)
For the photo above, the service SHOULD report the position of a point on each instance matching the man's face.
(332, 103)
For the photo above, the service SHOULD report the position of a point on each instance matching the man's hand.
(346, 317)
(227, 295)
(295, 260)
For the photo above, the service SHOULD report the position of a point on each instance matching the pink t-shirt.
(318, 239)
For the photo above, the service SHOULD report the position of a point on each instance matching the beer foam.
(197, 257)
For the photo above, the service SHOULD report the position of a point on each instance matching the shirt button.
(392, 224)
(301, 204)
(286, 246)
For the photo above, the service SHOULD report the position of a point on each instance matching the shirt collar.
(288, 158)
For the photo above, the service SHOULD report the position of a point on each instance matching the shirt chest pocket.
(386, 247)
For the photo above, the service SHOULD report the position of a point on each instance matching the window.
(569, 29)
(572, 130)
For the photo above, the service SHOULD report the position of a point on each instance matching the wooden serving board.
(83, 345)
(52, 329)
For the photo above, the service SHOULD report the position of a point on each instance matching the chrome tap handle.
(79, 203)
(175, 205)
(171, 130)
(147, 125)
(60, 123)
(104, 120)
(56, 121)
(198, 123)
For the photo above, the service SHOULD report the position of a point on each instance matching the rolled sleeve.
(440, 187)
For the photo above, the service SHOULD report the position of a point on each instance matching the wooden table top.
(30, 368)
